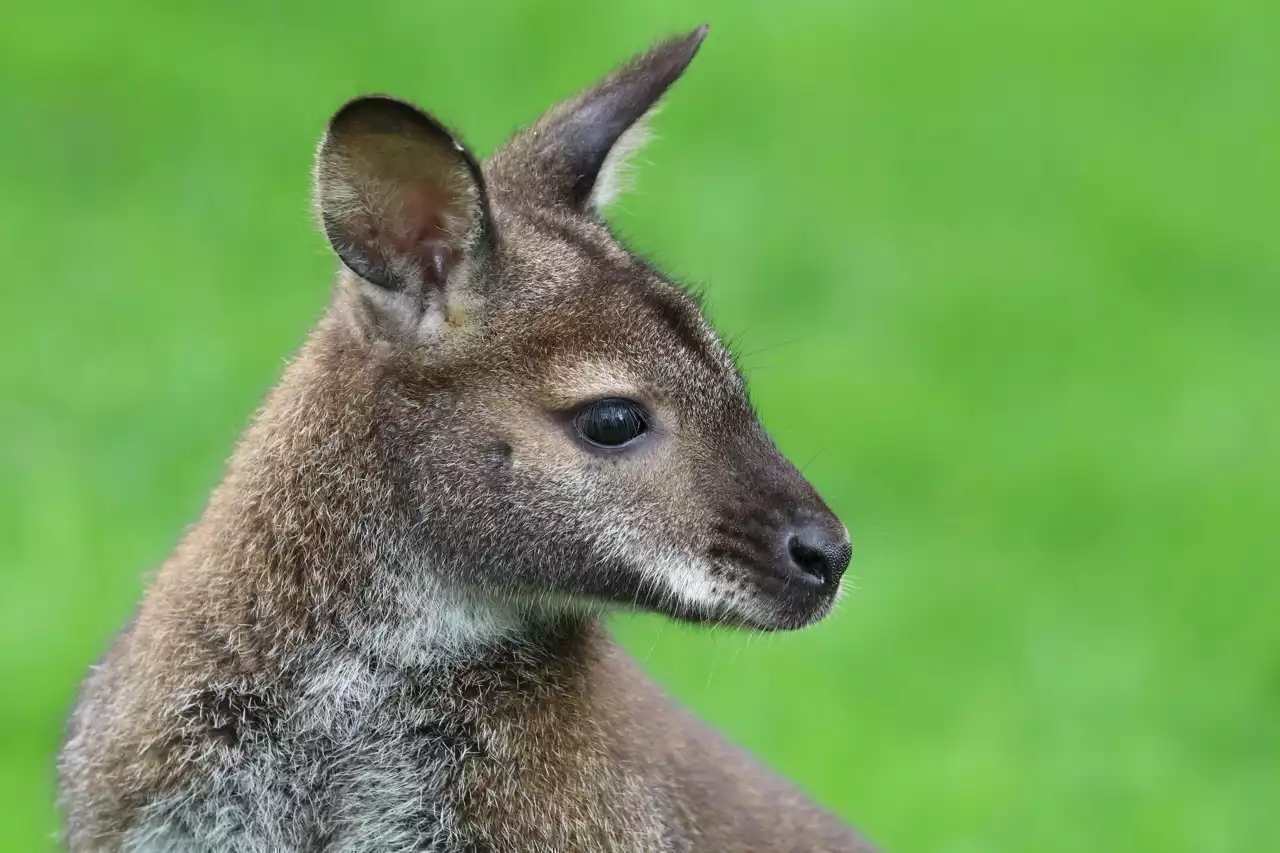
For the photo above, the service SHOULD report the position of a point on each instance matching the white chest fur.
(360, 758)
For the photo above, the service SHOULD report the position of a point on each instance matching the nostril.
(816, 554)
(809, 560)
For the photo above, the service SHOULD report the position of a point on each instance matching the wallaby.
(384, 633)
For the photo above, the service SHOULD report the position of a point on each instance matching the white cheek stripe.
(687, 581)
(690, 581)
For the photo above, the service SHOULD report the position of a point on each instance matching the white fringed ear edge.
(617, 174)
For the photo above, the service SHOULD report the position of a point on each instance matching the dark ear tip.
(675, 54)
(690, 42)
(658, 67)
(371, 107)
(385, 114)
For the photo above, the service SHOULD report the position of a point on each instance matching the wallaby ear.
(401, 200)
(575, 155)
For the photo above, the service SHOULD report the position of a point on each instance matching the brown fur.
(383, 633)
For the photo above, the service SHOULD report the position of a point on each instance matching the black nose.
(817, 553)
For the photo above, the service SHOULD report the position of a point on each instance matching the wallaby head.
(553, 423)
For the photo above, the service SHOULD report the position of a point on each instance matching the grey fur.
(383, 633)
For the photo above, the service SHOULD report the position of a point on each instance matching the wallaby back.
(384, 631)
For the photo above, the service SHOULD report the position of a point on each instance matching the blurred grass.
(1008, 280)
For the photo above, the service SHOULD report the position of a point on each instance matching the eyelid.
(569, 387)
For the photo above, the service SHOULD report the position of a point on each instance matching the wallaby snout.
(812, 553)
(775, 535)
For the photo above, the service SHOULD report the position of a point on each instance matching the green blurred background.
(1006, 276)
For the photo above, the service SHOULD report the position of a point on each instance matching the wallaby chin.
(383, 632)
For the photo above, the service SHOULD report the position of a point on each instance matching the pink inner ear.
(422, 234)
(419, 215)
(406, 225)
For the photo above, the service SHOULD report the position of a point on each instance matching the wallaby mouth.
(789, 564)
(801, 579)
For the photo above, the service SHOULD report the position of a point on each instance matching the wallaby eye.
(611, 422)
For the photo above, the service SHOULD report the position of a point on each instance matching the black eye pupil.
(611, 422)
